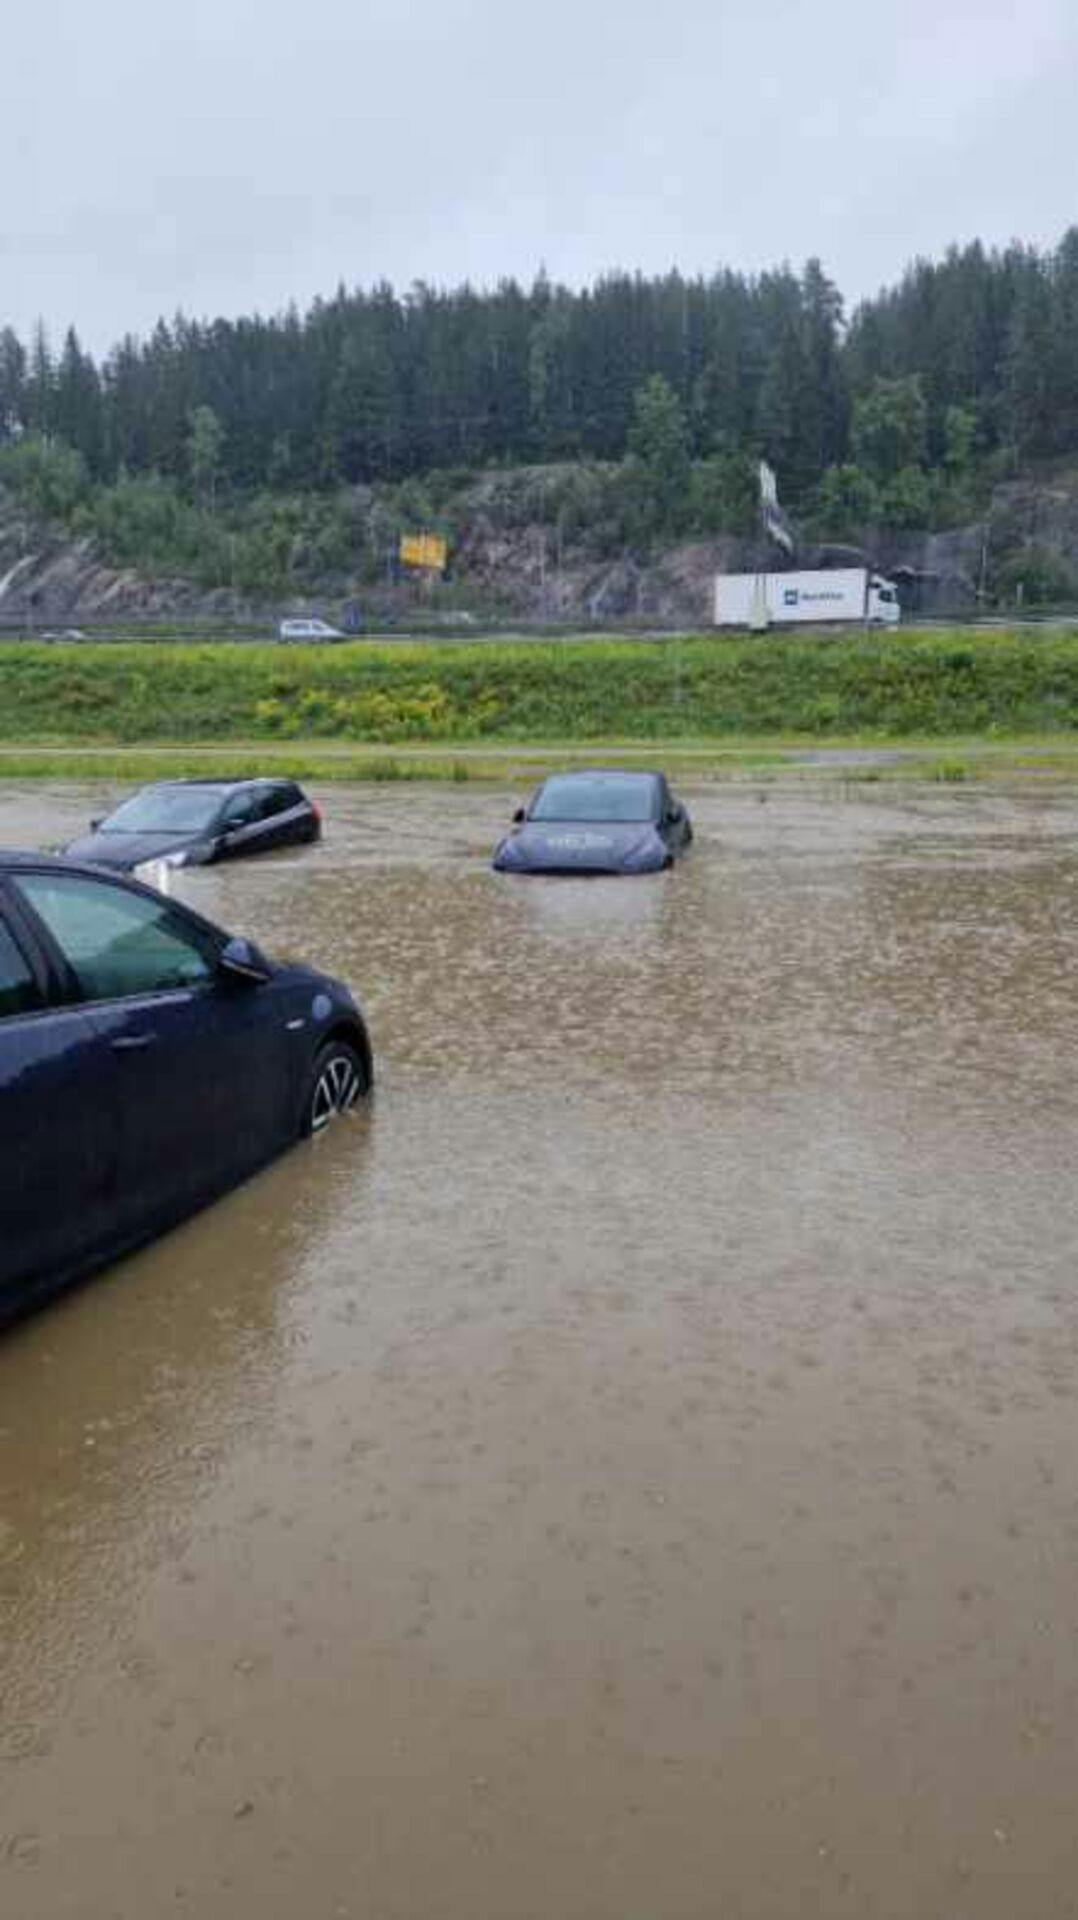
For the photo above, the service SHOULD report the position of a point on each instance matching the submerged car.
(596, 822)
(182, 823)
(148, 1062)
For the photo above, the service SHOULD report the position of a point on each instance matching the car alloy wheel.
(337, 1083)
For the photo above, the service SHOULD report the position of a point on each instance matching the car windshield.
(166, 810)
(581, 796)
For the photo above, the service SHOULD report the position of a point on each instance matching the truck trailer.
(847, 594)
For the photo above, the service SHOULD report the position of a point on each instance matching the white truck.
(848, 594)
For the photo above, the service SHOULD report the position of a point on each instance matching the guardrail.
(171, 629)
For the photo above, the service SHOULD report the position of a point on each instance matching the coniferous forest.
(896, 414)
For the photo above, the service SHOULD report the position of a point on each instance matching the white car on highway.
(308, 630)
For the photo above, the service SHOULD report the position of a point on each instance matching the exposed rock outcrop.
(512, 567)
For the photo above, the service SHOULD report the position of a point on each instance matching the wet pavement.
(628, 1471)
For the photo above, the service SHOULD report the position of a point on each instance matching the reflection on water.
(146, 1380)
(592, 908)
(629, 1468)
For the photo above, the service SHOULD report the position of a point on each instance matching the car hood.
(570, 846)
(131, 849)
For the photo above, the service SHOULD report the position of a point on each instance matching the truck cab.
(882, 608)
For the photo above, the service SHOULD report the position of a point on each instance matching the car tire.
(337, 1081)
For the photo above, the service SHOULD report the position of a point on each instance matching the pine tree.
(360, 415)
(1064, 356)
(204, 452)
(40, 384)
(658, 443)
(1030, 388)
(76, 402)
(823, 418)
(12, 384)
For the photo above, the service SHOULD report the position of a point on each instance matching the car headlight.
(154, 873)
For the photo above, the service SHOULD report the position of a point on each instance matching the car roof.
(12, 859)
(16, 860)
(604, 773)
(225, 784)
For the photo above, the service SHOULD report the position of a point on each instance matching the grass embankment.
(417, 710)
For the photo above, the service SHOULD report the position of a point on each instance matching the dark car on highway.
(148, 1061)
(183, 823)
(604, 821)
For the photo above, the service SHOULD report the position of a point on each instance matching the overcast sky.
(235, 154)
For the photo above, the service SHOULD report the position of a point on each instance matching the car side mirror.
(674, 813)
(519, 817)
(242, 960)
(96, 822)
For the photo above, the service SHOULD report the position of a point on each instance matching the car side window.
(117, 943)
(277, 800)
(19, 991)
(244, 809)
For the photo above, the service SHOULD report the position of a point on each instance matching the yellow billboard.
(423, 550)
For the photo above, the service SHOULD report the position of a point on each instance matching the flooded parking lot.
(628, 1471)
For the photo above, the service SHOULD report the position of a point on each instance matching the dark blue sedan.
(596, 822)
(148, 1062)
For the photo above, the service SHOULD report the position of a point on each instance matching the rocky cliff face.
(525, 572)
(46, 579)
(49, 582)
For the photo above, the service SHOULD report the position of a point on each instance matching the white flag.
(776, 525)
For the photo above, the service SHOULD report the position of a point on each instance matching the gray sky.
(235, 154)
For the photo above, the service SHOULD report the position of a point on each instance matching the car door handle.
(133, 1042)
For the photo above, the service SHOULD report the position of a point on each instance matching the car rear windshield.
(166, 810)
(582, 797)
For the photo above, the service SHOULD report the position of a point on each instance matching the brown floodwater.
(630, 1470)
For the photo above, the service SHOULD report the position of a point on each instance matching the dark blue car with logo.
(148, 1062)
(601, 821)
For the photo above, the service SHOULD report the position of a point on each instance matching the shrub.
(44, 475)
(1044, 576)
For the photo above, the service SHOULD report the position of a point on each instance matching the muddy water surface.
(630, 1471)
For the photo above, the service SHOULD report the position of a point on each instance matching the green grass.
(701, 693)
(139, 764)
(328, 761)
(967, 761)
